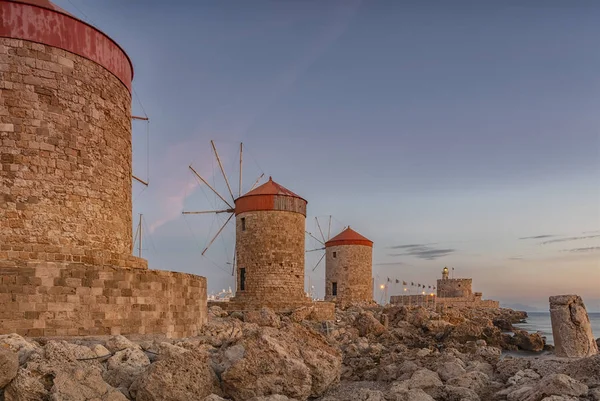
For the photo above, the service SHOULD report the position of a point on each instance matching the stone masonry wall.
(65, 156)
(456, 287)
(70, 299)
(352, 270)
(429, 301)
(271, 249)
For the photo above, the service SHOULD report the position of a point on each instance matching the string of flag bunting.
(412, 284)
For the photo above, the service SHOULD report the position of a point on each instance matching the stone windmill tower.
(349, 268)
(269, 257)
(65, 188)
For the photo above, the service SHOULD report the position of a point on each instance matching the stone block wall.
(271, 250)
(65, 155)
(454, 287)
(429, 301)
(71, 299)
(352, 271)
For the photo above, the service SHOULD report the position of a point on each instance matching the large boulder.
(367, 324)
(19, 345)
(9, 365)
(293, 361)
(586, 370)
(571, 327)
(475, 381)
(181, 377)
(528, 342)
(449, 370)
(558, 384)
(119, 343)
(263, 317)
(124, 367)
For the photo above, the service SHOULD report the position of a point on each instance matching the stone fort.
(66, 267)
(457, 292)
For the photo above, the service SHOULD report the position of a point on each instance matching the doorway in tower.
(334, 289)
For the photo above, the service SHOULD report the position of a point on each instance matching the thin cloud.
(392, 264)
(587, 249)
(539, 236)
(570, 239)
(516, 258)
(424, 252)
(591, 232)
(409, 246)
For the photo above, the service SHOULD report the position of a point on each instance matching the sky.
(462, 134)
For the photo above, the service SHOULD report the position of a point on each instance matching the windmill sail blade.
(257, 181)
(208, 185)
(209, 211)
(318, 263)
(233, 264)
(216, 235)
(222, 170)
(314, 250)
(315, 238)
(241, 151)
(329, 229)
(321, 231)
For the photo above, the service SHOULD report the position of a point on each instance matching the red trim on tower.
(54, 27)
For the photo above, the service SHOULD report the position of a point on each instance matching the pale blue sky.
(463, 126)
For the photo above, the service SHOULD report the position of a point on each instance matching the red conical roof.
(349, 237)
(271, 188)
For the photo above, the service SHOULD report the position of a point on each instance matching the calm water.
(540, 321)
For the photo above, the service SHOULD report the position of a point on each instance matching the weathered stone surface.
(179, 378)
(475, 381)
(415, 394)
(424, 379)
(19, 345)
(263, 317)
(559, 384)
(293, 361)
(449, 370)
(301, 313)
(367, 324)
(451, 393)
(571, 327)
(80, 383)
(508, 367)
(9, 365)
(124, 367)
(586, 370)
(528, 342)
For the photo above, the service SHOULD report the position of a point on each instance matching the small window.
(334, 255)
(243, 224)
(243, 279)
(334, 289)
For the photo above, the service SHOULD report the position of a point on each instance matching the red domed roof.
(270, 196)
(349, 237)
(44, 4)
(271, 188)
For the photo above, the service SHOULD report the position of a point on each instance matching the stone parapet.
(75, 299)
(433, 301)
(320, 310)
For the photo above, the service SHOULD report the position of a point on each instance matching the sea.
(540, 322)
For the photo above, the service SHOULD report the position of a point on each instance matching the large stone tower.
(270, 234)
(65, 187)
(349, 268)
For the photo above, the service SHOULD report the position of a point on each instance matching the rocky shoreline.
(368, 353)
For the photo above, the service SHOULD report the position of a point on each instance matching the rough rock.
(367, 324)
(263, 317)
(9, 365)
(475, 381)
(415, 394)
(451, 393)
(294, 361)
(509, 366)
(301, 314)
(19, 345)
(179, 378)
(425, 380)
(214, 397)
(558, 384)
(78, 383)
(571, 327)
(586, 370)
(218, 332)
(118, 343)
(528, 342)
(449, 370)
(274, 397)
(124, 367)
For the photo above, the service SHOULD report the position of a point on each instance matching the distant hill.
(522, 307)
